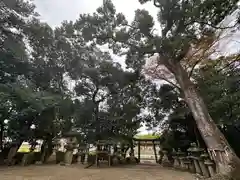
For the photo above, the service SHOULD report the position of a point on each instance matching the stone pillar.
(59, 146)
(176, 163)
(68, 156)
(180, 156)
(187, 163)
(59, 152)
(165, 160)
(210, 165)
(82, 152)
(182, 164)
(44, 153)
(87, 154)
(12, 152)
(29, 158)
(203, 157)
(195, 156)
(132, 156)
(197, 166)
(191, 165)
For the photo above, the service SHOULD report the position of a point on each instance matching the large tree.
(110, 95)
(185, 26)
(37, 62)
(31, 72)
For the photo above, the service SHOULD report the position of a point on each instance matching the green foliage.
(183, 23)
(218, 83)
(36, 62)
(220, 89)
(29, 79)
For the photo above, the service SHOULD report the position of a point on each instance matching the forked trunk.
(227, 162)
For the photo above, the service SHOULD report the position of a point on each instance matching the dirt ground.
(77, 172)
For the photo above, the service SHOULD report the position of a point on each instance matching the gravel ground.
(77, 172)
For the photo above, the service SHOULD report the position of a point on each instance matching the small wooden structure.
(154, 141)
(103, 151)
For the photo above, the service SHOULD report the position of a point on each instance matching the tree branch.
(231, 63)
(94, 95)
(154, 73)
(127, 43)
(211, 25)
(195, 64)
(171, 83)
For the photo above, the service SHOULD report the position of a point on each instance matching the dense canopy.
(59, 80)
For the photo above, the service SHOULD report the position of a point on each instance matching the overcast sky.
(55, 11)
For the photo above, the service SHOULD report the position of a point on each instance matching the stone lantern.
(165, 160)
(203, 157)
(187, 163)
(28, 158)
(176, 162)
(12, 152)
(70, 146)
(125, 146)
(82, 152)
(195, 153)
(210, 165)
(180, 156)
(59, 150)
(191, 165)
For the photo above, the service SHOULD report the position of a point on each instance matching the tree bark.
(1, 135)
(225, 158)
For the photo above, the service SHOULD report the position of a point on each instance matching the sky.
(55, 11)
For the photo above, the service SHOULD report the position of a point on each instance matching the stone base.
(132, 160)
(166, 162)
(39, 162)
(28, 158)
(68, 157)
(59, 157)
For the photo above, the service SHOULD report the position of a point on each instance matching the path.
(57, 172)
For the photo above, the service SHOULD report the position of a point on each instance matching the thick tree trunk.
(98, 124)
(218, 147)
(1, 135)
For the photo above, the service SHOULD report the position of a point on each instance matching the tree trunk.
(98, 124)
(225, 158)
(1, 136)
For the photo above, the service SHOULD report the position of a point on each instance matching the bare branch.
(203, 51)
(231, 63)
(217, 27)
(153, 70)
